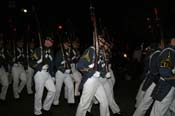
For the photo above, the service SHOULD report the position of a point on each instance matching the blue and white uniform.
(18, 71)
(91, 85)
(149, 84)
(43, 79)
(3, 74)
(164, 91)
(63, 75)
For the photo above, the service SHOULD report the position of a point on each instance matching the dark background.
(129, 23)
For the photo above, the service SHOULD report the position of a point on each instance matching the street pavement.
(124, 91)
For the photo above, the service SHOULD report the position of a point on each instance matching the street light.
(59, 27)
(24, 10)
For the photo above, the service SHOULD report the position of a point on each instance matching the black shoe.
(46, 113)
(77, 99)
(72, 105)
(89, 114)
(3, 102)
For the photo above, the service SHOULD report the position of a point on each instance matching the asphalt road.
(124, 92)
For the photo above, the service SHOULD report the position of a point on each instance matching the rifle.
(106, 62)
(107, 52)
(62, 52)
(170, 78)
(27, 45)
(39, 33)
(95, 39)
(14, 50)
(66, 64)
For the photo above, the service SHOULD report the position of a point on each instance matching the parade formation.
(53, 64)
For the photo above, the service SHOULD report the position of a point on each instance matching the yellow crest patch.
(167, 63)
(86, 56)
(34, 56)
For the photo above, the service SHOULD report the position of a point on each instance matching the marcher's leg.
(59, 77)
(70, 88)
(146, 102)
(109, 93)
(50, 95)
(103, 101)
(23, 81)
(88, 93)
(39, 88)
(5, 85)
(160, 108)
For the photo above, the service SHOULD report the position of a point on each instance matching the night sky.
(120, 17)
(116, 15)
(124, 19)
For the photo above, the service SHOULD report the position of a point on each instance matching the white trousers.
(145, 102)
(43, 79)
(19, 79)
(161, 108)
(4, 83)
(111, 80)
(93, 88)
(109, 92)
(172, 106)
(140, 94)
(67, 80)
(77, 76)
(29, 84)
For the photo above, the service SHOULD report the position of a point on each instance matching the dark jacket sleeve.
(83, 64)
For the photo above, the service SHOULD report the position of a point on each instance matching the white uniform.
(152, 77)
(29, 75)
(140, 94)
(109, 93)
(4, 83)
(112, 79)
(161, 108)
(30, 71)
(19, 79)
(93, 87)
(145, 102)
(166, 88)
(43, 80)
(76, 75)
(63, 75)
(69, 91)
(3, 75)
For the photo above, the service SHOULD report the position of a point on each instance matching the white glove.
(173, 70)
(53, 78)
(63, 62)
(40, 60)
(45, 67)
(67, 71)
(103, 65)
(91, 65)
(73, 57)
(108, 75)
(96, 74)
